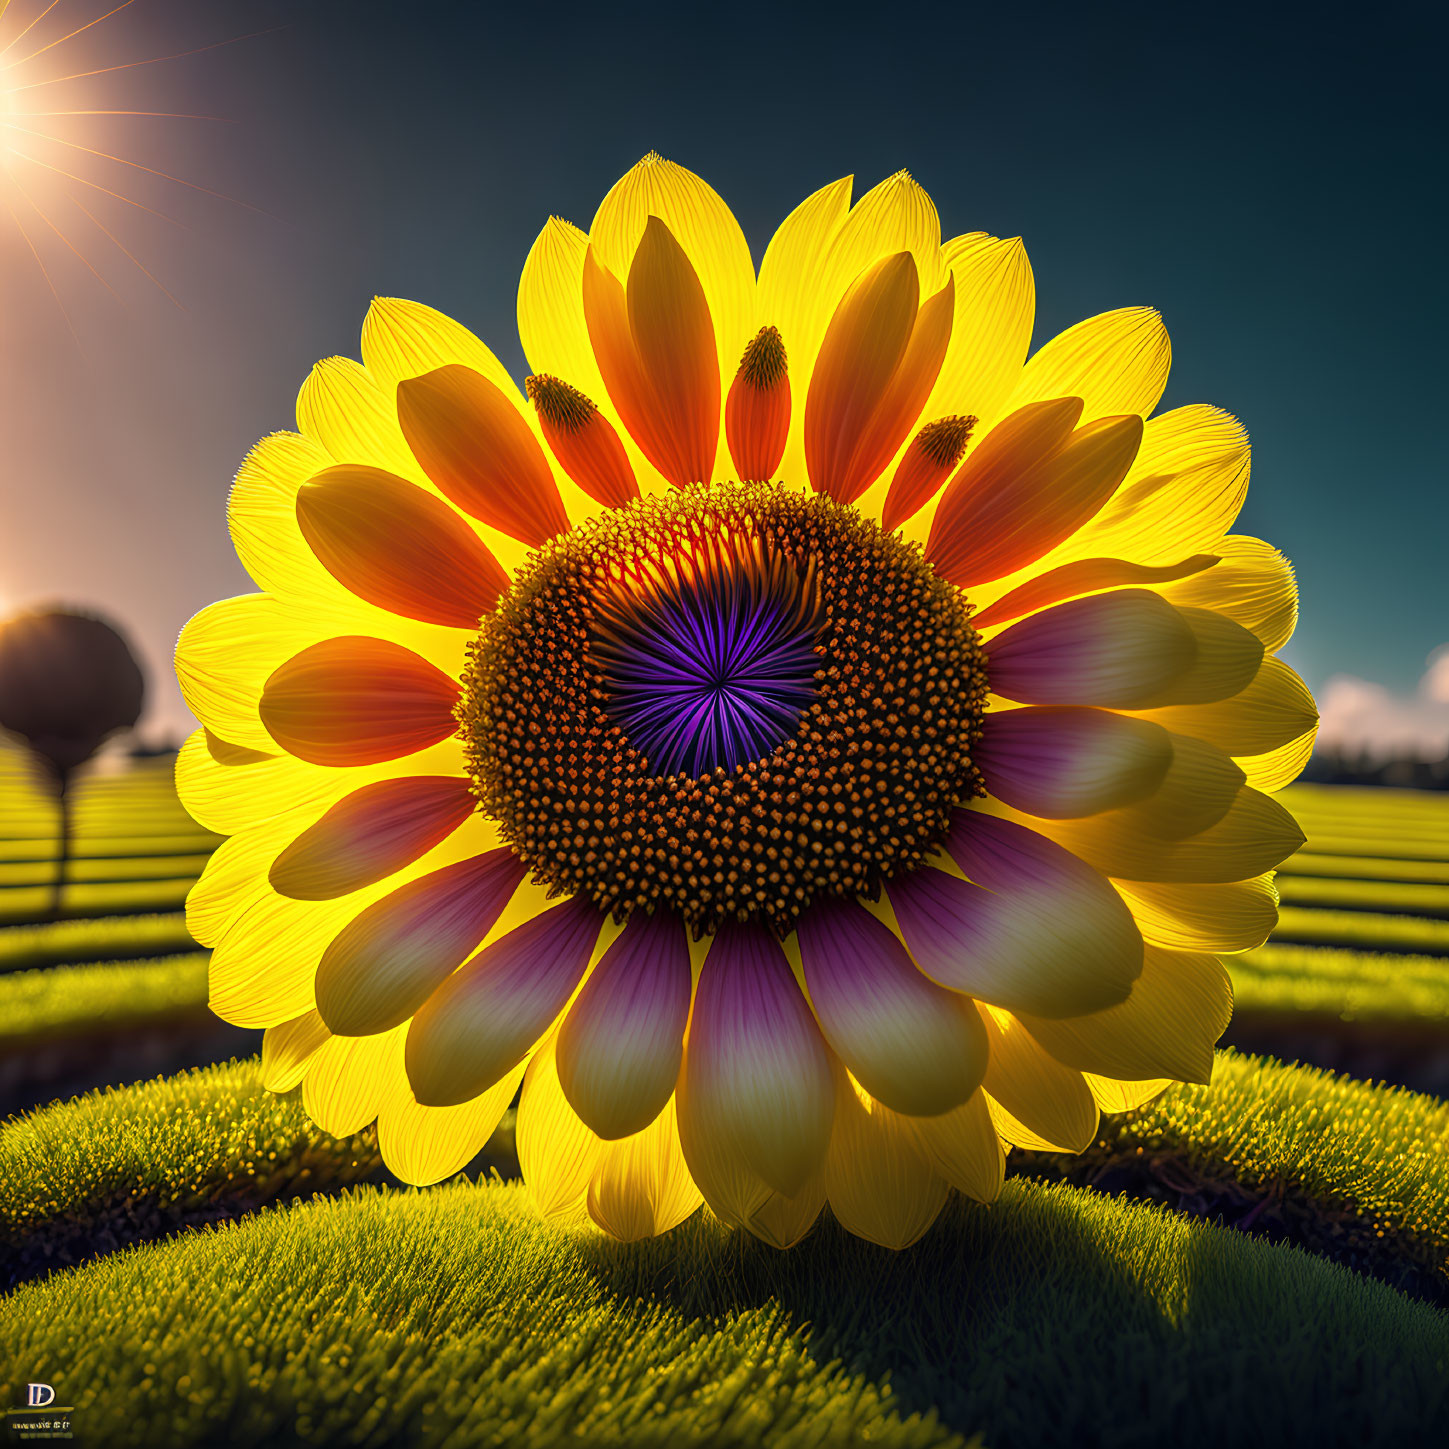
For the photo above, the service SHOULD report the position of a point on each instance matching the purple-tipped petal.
(483, 1020)
(1062, 763)
(910, 1043)
(1120, 650)
(756, 1096)
(1032, 928)
(620, 1047)
(384, 963)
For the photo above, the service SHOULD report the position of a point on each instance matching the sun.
(68, 190)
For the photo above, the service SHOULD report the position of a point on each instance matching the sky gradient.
(1259, 180)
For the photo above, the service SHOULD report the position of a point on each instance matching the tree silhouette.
(67, 681)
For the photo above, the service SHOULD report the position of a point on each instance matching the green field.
(191, 1261)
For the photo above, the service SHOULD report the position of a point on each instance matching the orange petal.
(583, 440)
(368, 835)
(995, 519)
(475, 445)
(357, 701)
(398, 547)
(1085, 576)
(926, 465)
(865, 347)
(386, 962)
(757, 412)
(631, 387)
(673, 339)
(910, 387)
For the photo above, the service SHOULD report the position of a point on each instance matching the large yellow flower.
(803, 743)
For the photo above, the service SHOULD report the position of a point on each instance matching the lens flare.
(67, 184)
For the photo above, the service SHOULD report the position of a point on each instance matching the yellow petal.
(791, 296)
(1048, 1099)
(288, 1050)
(1185, 488)
(344, 1084)
(422, 1145)
(641, 1186)
(1167, 1027)
(1252, 583)
(263, 969)
(1277, 768)
(556, 1152)
(234, 878)
(895, 216)
(1274, 710)
(820, 251)
(261, 513)
(1115, 1096)
(782, 1221)
(879, 1185)
(555, 332)
(962, 1146)
(402, 339)
(342, 407)
(995, 306)
(229, 788)
(1116, 363)
(551, 321)
(1255, 835)
(227, 652)
(706, 229)
(1228, 916)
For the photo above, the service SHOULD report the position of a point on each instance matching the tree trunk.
(62, 860)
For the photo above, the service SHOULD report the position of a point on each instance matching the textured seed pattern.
(861, 792)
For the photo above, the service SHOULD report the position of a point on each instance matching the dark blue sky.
(1264, 176)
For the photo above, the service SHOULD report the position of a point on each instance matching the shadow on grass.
(1055, 1316)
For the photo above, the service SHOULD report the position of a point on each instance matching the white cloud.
(1361, 717)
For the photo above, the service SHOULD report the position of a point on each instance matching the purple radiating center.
(715, 668)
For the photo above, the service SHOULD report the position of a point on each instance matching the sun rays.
(73, 179)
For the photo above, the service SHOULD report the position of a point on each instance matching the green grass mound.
(1346, 820)
(117, 844)
(133, 1164)
(1365, 867)
(1346, 985)
(138, 867)
(1413, 897)
(93, 898)
(453, 1315)
(1354, 1172)
(105, 939)
(101, 998)
(1359, 928)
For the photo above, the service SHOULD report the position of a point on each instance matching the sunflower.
(800, 742)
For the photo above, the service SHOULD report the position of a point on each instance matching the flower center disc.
(724, 702)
